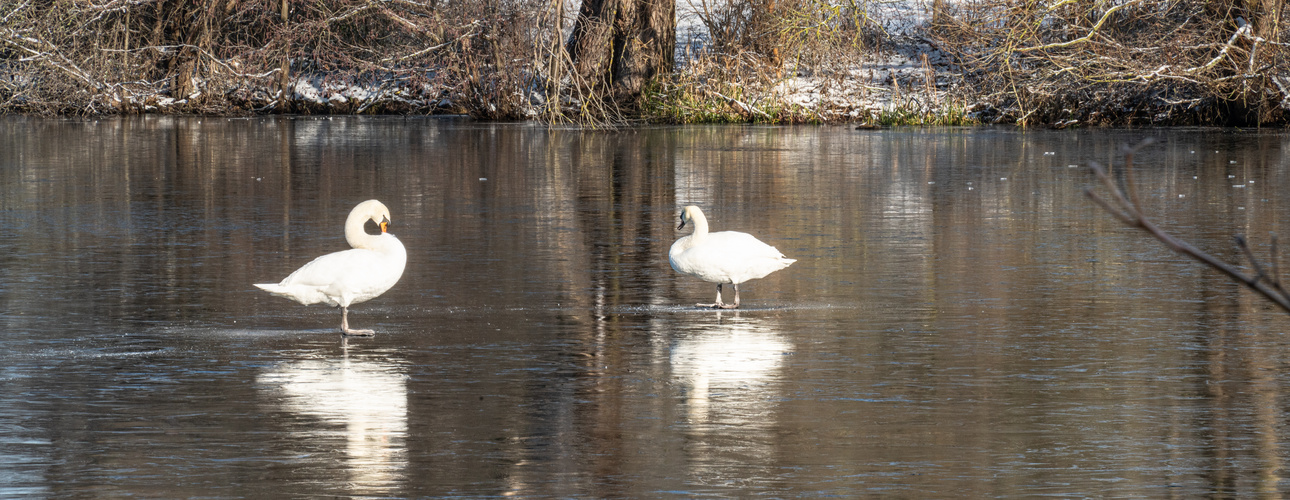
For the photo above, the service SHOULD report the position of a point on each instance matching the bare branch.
(47, 52)
(1091, 33)
(1222, 53)
(474, 25)
(745, 107)
(1129, 211)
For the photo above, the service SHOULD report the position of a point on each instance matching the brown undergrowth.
(248, 56)
(1125, 62)
(1055, 63)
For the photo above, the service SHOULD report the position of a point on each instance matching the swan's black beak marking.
(682, 221)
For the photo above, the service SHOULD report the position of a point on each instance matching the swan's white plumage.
(725, 257)
(352, 276)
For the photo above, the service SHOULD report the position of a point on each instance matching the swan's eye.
(371, 227)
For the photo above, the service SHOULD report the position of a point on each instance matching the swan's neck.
(356, 235)
(700, 224)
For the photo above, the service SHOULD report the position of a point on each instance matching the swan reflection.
(729, 370)
(369, 397)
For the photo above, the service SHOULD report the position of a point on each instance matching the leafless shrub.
(1122, 62)
(61, 56)
(762, 55)
(753, 26)
(808, 32)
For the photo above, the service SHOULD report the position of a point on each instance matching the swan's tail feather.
(273, 288)
(300, 293)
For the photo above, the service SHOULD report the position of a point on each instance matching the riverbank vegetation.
(601, 62)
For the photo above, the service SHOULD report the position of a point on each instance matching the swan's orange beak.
(385, 226)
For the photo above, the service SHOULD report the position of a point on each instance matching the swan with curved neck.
(348, 277)
(725, 257)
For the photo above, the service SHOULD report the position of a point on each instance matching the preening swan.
(350, 276)
(722, 257)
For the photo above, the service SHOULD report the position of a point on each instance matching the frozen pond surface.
(961, 322)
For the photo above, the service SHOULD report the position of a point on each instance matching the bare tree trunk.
(940, 17)
(555, 63)
(621, 45)
(1267, 18)
(192, 26)
(284, 78)
(196, 38)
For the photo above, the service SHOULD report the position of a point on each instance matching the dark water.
(961, 321)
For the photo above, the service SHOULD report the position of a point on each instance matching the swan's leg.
(344, 326)
(736, 304)
(715, 305)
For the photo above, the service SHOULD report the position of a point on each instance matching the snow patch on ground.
(871, 84)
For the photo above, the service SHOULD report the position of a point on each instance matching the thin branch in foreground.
(1128, 209)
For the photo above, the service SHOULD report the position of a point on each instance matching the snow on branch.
(40, 50)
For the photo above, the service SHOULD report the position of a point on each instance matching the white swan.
(350, 276)
(722, 257)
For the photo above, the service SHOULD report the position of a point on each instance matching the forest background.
(1054, 63)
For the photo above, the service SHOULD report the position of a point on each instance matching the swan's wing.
(737, 245)
(357, 272)
(329, 268)
(340, 278)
